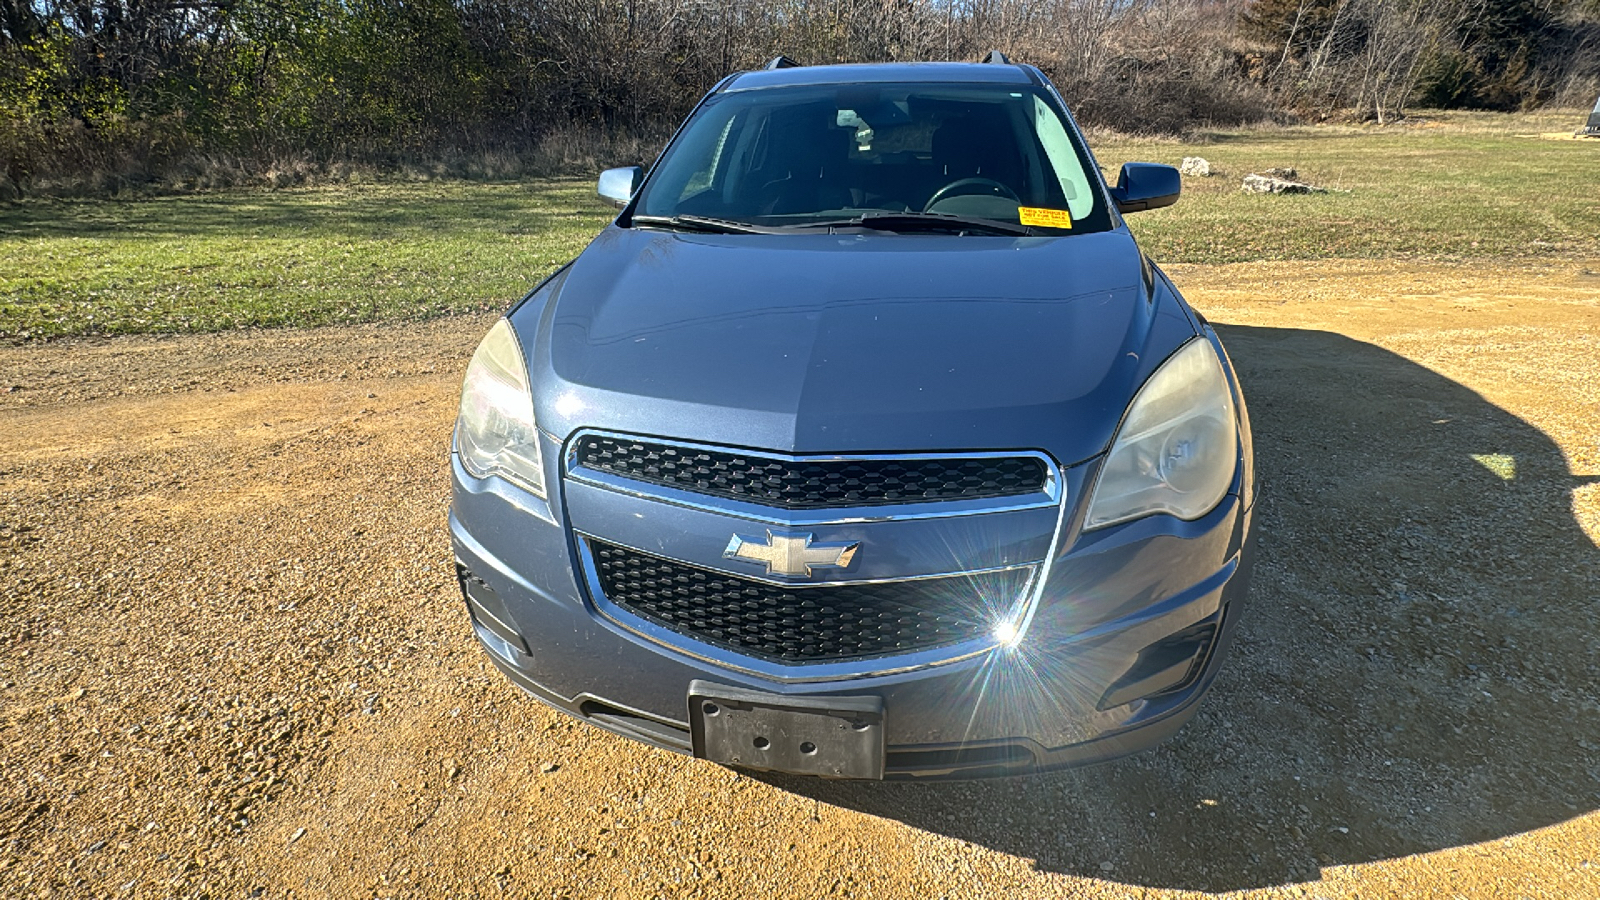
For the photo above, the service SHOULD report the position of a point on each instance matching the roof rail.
(782, 62)
(997, 58)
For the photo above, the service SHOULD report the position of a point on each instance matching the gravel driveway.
(233, 662)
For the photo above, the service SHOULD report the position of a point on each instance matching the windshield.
(804, 156)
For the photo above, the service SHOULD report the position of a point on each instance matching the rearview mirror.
(1142, 186)
(617, 185)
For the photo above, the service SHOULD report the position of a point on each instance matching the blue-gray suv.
(864, 443)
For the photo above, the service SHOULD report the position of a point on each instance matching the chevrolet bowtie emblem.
(791, 554)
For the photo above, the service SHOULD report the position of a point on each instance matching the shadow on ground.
(1414, 671)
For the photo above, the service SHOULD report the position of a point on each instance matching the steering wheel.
(960, 183)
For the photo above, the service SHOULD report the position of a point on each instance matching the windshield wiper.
(899, 222)
(924, 222)
(704, 225)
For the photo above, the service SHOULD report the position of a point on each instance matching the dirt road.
(233, 662)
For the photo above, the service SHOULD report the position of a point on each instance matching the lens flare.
(1006, 634)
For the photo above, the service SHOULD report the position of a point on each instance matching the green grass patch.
(1405, 192)
(269, 258)
(1463, 187)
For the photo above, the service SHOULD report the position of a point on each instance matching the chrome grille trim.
(792, 673)
(806, 583)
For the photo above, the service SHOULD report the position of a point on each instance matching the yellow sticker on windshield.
(1050, 218)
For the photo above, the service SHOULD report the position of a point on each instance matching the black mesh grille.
(813, 484)
(804, 624)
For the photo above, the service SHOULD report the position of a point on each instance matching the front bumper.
(1126, 637)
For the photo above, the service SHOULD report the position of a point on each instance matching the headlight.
(1177, 448)
(495, 433)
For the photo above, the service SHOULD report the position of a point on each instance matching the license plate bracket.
(834, 737)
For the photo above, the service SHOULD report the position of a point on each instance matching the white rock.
(1263, 184)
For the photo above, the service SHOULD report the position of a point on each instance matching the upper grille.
(813, 484)
(805, 624)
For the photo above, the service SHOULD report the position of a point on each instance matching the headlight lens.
(495, 432)
(1176, 450)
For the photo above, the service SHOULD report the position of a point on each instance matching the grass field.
(1471, 188)
(1455, 186)
(304, 257)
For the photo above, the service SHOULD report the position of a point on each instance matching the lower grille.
(805, 624)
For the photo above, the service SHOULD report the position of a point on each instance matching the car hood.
(850, 343)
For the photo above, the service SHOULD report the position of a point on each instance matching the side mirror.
(1142, 186)
(617, 185)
